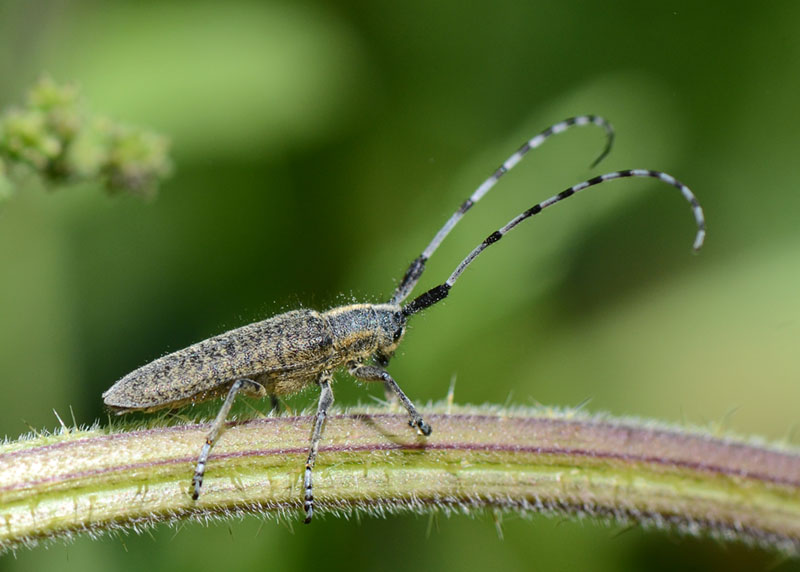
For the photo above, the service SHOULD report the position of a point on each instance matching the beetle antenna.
(417, 267)
(440, 292)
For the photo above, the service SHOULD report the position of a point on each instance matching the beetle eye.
(398, 334)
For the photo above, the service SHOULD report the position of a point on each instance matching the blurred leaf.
(243, 80)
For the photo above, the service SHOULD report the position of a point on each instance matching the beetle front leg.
(325, 401)
(374, 373)
(246, 386)
(391, 395)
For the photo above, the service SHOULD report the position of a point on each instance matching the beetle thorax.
(363, 330)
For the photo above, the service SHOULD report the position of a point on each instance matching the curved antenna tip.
(602, 156)
(606, 151)
(699, 240)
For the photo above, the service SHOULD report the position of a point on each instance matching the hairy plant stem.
(523, 460)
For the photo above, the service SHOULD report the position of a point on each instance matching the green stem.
(520, 460)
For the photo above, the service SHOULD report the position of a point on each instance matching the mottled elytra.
(286, 353)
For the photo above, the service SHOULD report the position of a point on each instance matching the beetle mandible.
(286, 353)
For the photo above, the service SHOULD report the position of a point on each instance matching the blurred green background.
(318, 147)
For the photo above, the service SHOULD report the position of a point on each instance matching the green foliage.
(56, 138)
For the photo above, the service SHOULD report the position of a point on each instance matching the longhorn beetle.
(286, 353)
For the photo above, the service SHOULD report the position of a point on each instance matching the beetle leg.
(245, 386)
(325, 401)
(275, 403)
(391, 397)
(374, 373)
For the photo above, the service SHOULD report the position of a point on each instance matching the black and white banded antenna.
(440, 292)
(417, 267)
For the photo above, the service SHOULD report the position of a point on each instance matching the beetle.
(286, 353)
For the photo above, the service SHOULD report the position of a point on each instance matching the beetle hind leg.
(246, 386)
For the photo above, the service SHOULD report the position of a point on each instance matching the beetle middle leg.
(374, 373)
(246, 386)
(325, 401)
